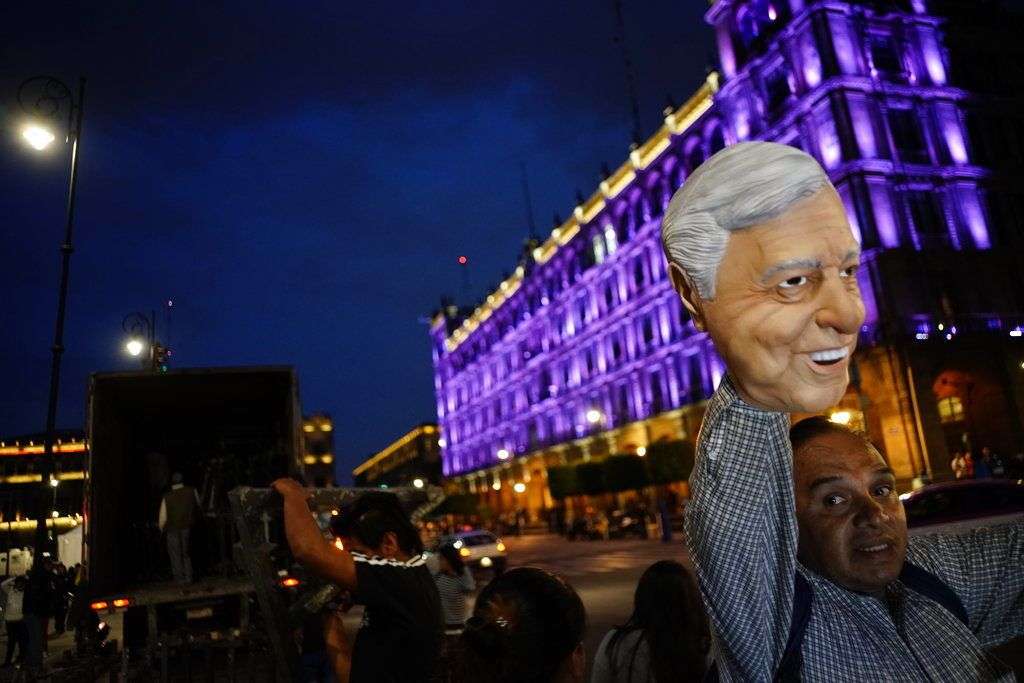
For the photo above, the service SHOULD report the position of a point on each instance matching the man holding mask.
(763, 258)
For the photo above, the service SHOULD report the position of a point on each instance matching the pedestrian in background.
(14, 595)
(527, 627)
(179, 510)
(958, 465)
(666, 638)
(454, 582)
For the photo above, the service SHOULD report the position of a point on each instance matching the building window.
(927, 217)
(638, 272)
(885, 57)
(611, 240)
(648, 331)
(776, 86)
(908, 136)
(598, 243)
(951, 409)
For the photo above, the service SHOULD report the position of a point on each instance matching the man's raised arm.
(741, 533)
(308, 545)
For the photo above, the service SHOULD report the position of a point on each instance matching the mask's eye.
(884, 491)
(850, 272)
(833, 500)
(793, 282)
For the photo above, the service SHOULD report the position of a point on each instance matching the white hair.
(740, 186)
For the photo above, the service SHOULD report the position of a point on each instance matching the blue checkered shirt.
(742, 536)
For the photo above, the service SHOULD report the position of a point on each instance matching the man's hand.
(289, 488)
(307, 542)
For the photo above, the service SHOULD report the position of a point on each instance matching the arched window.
(694, 155)
(716, 141)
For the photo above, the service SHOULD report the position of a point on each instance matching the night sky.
(300, 178)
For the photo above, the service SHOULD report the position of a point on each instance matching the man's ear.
(688, 293)
(389, 546)
(578, 664)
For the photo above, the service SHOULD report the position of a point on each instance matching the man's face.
(787, 308)
(853, 529)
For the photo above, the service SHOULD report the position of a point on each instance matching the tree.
(562, 482)
(670, 461)
(590, 478)
(459, 504)
(625, 472)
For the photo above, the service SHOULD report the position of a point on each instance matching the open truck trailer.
(220, 428)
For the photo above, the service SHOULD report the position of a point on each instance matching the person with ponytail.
(527, 627)
(666, 638)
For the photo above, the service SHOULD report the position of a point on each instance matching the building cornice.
(675, 123)
(383, 455)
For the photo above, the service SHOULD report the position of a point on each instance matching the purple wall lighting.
(592, 323)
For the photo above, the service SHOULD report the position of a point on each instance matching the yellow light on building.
(326, 427)
(519, 487)
(327, 459)
(496, 486)
(307, 427)
(641, 451)
(841, 417)
(309, 460)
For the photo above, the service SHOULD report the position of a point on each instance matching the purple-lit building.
(585, 350)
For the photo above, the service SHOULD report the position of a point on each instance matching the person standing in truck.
(178, 511)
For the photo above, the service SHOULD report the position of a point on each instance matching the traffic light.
(161, 354)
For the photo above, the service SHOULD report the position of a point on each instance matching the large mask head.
(762, 254)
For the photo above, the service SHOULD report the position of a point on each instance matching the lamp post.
(43, 98)
(141, 330)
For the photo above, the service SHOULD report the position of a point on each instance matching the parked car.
(479, 549)
(954, 507)
(622, 524)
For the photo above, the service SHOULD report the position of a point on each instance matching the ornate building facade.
(585, 350)
(414, 460)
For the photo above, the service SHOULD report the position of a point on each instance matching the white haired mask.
(764, 259)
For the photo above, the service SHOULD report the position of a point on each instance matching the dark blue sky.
(300, 179)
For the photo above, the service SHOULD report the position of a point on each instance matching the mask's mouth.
(829, 357)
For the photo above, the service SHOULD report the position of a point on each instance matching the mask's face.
(787, 308)
(853, 529)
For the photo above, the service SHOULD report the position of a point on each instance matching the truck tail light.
(290, 582)
(99, 605)
(122, 602)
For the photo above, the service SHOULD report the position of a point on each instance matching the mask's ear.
(688, 293)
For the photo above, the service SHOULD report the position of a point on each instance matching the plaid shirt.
(742, 536)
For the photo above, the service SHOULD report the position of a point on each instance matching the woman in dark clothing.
(666, 638)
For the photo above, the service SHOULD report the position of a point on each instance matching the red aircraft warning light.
(463, 260)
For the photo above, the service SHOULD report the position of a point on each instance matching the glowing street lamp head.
(519, 487)
(37, 136)
(503, 454)
(418, 483)
(134, 347)
(594, 416)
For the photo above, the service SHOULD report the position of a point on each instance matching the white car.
(958, 506)
(479, 550)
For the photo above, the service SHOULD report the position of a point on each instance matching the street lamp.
(141, 331)
(134, 347)
(43, 98)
